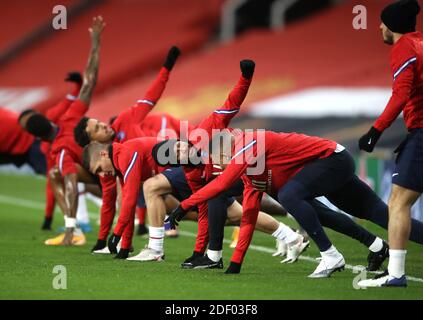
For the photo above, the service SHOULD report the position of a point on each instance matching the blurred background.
(315, 73)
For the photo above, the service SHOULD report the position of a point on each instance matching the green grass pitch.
(26, 264)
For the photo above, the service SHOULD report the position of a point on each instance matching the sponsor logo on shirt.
(121, 135)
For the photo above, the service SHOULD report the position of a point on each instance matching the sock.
(330, 252)
(155, 241)
(285, 233)
(82, 212)
(396, 265)
(377, 245)
(214, 255)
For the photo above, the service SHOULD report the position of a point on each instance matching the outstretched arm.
(138, 112)
(220, 118)
(91, 70)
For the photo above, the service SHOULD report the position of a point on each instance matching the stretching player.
(292, 167)
(53, 114)
(132, 123)
(197, 174)
(66, 152)
(399, 29)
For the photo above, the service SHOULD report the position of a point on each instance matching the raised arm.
(91, 70)
(55, 112)
(138, 112)
(221, 117)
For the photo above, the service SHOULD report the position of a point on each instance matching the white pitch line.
(37, 205)
(302, 257)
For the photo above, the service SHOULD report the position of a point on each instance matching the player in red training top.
(67, 154)
(132, 123)
(132, 163)
(187, 179)
(53, 114)
(406, 59)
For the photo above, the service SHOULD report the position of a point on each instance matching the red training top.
(407, 88)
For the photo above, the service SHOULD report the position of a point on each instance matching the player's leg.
(400, 203)
(282, 233)
(358, 199)
(50, 205)
(320, 177)
(343, 224)
(154, 189)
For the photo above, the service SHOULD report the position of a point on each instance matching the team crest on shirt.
(121, 135)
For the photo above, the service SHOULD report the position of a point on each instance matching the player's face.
(183, 151)
(103, 166)
(99, 131)
(387, 34)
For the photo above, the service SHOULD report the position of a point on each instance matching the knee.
(54, 174)
(396, 204)
(398, 201)
(151, 187)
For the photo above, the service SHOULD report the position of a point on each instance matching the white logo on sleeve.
(370, 141)
(395, 174)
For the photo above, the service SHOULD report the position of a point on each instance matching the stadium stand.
(135, 42)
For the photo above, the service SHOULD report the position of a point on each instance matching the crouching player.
(290, 166)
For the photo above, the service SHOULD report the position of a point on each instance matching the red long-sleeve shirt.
(64, 147)
(278, 156)
(406, 61)
(135, 164)
(135, 123)
(14, 139)
(53, 114)
(199, 176)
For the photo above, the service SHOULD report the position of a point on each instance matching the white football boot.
(331, 262)
(383, 280)
(295, 249)
(281, 248)
(147, 254)
(106, 250)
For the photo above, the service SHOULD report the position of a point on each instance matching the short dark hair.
(25, 112)
(165, 148)
(39, 126)
(80, 132)
(112, 119)
(90, 150)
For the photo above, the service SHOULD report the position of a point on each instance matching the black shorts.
(408, 172)
(180, 187)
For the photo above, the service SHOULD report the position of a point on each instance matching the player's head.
(176, 153)
(38, 125)
(89, 129)
(97, 159)
(399, 17)
(220, 148)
